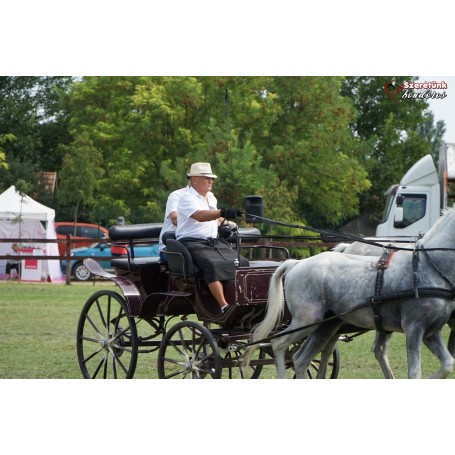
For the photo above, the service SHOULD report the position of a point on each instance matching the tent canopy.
(22, 217)
(12, 204)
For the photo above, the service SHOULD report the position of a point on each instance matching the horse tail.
(275, 307)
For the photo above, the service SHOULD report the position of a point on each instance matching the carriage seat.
(179, 259)
(136, 263)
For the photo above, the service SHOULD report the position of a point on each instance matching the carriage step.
(174, 294)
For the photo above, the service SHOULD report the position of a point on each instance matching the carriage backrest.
(179, 259)
(131, 232)
(168, 235)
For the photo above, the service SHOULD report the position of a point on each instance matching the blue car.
(80, 272)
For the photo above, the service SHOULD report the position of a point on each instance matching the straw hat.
(201, 170)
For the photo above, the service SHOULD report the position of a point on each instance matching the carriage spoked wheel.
(107, 344)
(233, 355)
(233, 367)
(333, 365)
(189, 351)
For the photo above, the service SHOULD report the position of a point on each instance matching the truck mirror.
(398, 215)
(400, 200)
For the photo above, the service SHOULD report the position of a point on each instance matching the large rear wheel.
(107, 344)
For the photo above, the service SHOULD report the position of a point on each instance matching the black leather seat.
(179, 259)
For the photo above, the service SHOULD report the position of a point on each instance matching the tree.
(312, 151)
(30, 112)
(3, 139)
(395, 133)
(261, 134)
(79, 174)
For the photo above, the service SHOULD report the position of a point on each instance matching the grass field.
(38, 337)
(38, 341)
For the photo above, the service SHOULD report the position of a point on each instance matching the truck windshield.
(389, 202)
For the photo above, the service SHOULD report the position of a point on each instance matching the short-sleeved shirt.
(190, 202)
(171, 206)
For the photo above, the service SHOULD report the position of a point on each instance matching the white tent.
(23, 218)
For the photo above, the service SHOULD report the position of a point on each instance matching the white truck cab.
(414, 205)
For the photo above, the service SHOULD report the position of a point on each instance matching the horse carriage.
(326, 295)
(179, 318)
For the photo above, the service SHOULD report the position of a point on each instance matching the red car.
(81, 234)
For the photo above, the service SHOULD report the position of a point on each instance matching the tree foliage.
(396, 132)
(79, 173)
(318, 149)
(32, 120)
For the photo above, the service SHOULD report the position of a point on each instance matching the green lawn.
(38, 337)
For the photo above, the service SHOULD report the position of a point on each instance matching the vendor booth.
(21, 220)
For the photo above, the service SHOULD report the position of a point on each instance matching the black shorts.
(11, 266)
(214, 258)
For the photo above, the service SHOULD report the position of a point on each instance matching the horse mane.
(435, 228)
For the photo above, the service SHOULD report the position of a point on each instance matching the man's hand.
(230, 213)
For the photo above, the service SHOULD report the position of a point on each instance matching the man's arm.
(173, 217)
(207, 215)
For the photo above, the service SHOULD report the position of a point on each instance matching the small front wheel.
(107, 343)
(189, 351)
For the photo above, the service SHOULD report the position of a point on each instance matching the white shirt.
(171, 206)
(190, 202)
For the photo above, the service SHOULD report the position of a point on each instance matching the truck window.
(414, 208)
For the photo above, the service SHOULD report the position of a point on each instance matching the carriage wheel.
(333, 366)
(232, 359)
(107, 343)
(189, 351)
(233, 367)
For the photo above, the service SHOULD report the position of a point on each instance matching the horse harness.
(383, 264)
(378, 298)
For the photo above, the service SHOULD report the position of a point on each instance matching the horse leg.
(436, 345)
(381, 349)
(323, 339)
(451, 342)
(414, 338)
(280, 346)
(326, 355)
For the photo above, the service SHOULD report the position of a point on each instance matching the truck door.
(408, 215)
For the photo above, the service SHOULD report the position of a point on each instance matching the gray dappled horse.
(417, 300)
(382, 340)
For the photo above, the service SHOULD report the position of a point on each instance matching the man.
(12, 262)
(170, 219)
(197, 229)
